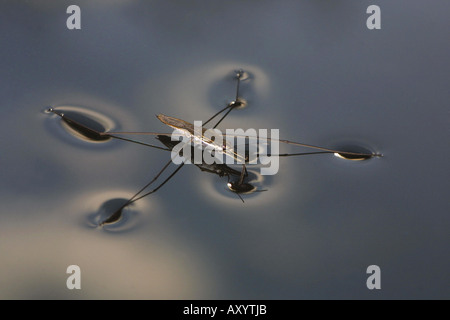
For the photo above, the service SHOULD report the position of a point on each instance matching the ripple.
(253, 186)
(112, 216)
(238, 104)
(103, 211)
(355, 152)
(83, 124)
(253, 87)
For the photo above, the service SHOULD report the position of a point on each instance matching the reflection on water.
(106, 211)
(356, 153)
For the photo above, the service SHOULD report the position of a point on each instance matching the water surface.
(317, 74)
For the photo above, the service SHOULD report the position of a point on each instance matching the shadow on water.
(79, 124)
(112, 216)
(355, 152)
(251, 186)
(83, 124)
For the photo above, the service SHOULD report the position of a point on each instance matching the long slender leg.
(136, 196)
(244, 174)
(215, 115)
(97, 134)
(325, 150)
(223, 117)
(236, 103)
(148, 184)
(329, 150)
(239, 75)
(158, 187)
(244, 170)
(116, 215)
(240, 197)
(299, 154)
(233, 104)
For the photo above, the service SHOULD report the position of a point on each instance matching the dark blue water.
(317, 74)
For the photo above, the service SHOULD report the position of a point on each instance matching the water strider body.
(198, 136)
(220, 169)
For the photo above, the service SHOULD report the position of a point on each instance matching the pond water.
(316, 73)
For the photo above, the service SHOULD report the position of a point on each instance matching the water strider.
(236, 178)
